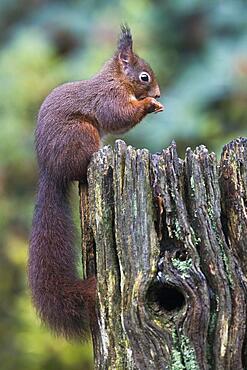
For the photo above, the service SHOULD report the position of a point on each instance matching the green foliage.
(198, 50)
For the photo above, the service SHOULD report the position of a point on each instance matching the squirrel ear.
(125, 52)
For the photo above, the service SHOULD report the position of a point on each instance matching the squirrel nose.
(155, 92)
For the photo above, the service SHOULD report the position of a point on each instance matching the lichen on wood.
(169, 237)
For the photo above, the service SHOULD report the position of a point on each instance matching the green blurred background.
(199, 52)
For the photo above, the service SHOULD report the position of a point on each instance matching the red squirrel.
(71, 123)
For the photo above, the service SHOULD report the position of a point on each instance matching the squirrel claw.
(159, 108)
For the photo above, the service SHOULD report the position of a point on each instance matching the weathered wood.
(170, 239)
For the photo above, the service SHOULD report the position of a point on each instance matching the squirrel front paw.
(152, 105)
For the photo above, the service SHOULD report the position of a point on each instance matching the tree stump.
(170, 239)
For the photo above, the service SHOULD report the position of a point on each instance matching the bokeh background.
(199, 52)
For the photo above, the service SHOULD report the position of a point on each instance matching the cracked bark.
(170, 237)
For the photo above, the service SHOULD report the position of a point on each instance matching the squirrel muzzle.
(154, 92)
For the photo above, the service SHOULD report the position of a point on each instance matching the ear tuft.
(125, 43)
(125, 39)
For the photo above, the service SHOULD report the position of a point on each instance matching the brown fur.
(71, 122)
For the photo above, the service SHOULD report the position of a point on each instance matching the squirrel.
(71, 123)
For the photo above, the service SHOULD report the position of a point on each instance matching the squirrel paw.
(154, 106)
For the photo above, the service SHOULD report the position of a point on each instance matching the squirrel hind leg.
(72, 157)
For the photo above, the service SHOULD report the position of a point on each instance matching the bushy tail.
(64, 302)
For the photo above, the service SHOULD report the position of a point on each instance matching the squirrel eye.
(144, 77)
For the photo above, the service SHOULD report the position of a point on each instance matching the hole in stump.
(181, 255)
(166, 297)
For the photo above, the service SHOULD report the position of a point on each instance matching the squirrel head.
(138, 73)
